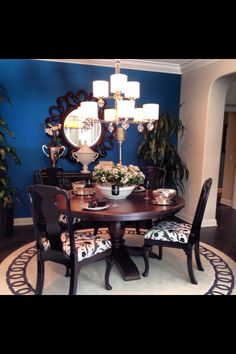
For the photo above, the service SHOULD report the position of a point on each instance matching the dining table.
(116, 214)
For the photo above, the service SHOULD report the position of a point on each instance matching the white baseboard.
(226, 202)
(209, 222)
(188, 218)
(23, 221)
(182, 215)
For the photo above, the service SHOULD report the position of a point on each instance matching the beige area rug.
(166, 277)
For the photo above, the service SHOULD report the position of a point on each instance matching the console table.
(69, 176)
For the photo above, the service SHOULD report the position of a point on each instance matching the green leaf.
(157, 149)
(8, 193)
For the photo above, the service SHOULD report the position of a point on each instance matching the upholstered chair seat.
(86, 246)
(64, 220)
(170, 231)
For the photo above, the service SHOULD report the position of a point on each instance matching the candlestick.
(120, 152)
(120, 134)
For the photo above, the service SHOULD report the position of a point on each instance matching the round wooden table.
(133, 208)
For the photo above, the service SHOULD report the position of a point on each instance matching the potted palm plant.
(158, 151)
(8, 193)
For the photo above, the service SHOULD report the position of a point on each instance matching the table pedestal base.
(124, 263)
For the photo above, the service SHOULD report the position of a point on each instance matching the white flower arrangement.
(123, 175)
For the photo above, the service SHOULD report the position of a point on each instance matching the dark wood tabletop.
(130, 209)
(133, 208)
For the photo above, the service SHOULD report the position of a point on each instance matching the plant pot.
(125, 191)
(6, 222)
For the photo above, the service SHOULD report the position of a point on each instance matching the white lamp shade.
(118, 83)
(138, 115)
(125, 109)
(89, 109)
(100, 88)
(109, 114)
(151, 111)
(132, 89)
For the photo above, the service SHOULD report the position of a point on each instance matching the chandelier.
(124, 93)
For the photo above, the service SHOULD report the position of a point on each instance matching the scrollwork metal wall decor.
(59, 112)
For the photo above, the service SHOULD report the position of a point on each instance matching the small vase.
(125, 191)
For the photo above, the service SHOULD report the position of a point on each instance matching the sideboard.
(69, 176)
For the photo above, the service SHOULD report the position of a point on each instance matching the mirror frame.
(58, 114)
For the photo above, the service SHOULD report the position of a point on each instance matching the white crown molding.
(142, 64)
(133, 64)
(194, 64)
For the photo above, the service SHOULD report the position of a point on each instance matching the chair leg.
(154, 255)
(190, 266)
(109, 264)
(160, 252)
(96, 228)
(74, 280)
(197, 257)
(137, 228)
(67, 274)
(146, 250)
(40, 275)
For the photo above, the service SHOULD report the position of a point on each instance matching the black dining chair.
(53, 176)
(156, 175)
(69, 247)
(180, 235)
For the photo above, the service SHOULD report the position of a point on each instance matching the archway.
(204, 91)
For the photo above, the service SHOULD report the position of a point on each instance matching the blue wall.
(34, 85)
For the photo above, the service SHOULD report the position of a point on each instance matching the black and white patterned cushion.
(63, 219)
(86, 246)
(171, 231)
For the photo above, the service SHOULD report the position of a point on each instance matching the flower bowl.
(121, 174)
(124, 191)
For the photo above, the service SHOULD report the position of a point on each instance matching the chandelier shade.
(100, 88)
(124, 95)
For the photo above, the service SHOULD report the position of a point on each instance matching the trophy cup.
(55, 149)
(85, 155)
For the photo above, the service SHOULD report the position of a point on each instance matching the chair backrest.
(201, 206)
(157, 176)
(53, 176)
(47, 207)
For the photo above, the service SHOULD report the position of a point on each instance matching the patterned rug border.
(18, 283)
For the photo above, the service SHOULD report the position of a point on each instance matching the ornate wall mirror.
(71, 133)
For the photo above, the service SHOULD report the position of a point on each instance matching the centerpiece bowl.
(124, 191)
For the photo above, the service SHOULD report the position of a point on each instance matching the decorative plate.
(142, 189)
(82, 193)
(155, 202)
(86, 206)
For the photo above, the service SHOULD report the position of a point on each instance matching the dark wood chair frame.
(53, 230)
(55, 176)
(194, 237)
